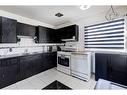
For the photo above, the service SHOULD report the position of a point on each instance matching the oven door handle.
(62, 57)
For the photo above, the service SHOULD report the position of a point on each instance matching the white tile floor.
(41, 80)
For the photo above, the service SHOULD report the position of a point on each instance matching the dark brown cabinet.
(37, 63)
(26, 66)
(34, 64)
(8, 71)
(111, 67)
(26, 30)
(68, 32)
(8, 30)
(18, 68)
(46, 35)
(101, 66)
(49, 60)
(117, 70)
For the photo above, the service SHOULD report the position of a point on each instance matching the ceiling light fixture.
(59, 14)
(85, 7)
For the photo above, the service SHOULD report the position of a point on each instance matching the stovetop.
(56, 85)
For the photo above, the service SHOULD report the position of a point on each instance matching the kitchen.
(59, 49)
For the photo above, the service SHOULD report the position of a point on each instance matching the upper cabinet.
(7, 30)
(25, 30)
(69, 33)
(46, 35)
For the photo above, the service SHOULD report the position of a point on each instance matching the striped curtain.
(107, 35)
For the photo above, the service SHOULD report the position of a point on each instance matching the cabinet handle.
(3, 75)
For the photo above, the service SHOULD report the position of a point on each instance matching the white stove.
(63, 62)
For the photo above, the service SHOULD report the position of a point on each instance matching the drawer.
(79, 75)
(79, 56)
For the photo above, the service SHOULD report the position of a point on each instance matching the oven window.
(63, 61)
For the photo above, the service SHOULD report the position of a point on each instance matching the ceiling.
(47, 13)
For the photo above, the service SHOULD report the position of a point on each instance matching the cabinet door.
(52, 36)
(9, 71)
(62, 33)
(25, 30)
(57, 36)
(37, 63)
(42, 34)
(26, 67)
(49, 60)
(118, 69)
(101, 63)
(9, 30)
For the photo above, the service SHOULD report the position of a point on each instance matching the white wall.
(24, 19)
(88, 20)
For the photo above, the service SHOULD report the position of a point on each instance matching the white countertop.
(21, 54)
(8, 45)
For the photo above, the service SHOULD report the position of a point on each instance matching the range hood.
(69, 40)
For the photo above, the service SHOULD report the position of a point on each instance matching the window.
(108, 35)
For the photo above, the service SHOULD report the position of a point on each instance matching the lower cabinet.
(8, 71)
(112, 67)
(117, 71)
(49, 60)
(37, 64)
(101, 66)
(19, 68)
(26, 66)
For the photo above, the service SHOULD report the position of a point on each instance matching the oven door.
(63, 60)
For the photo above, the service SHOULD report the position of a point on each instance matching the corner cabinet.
(8, 30)
(46, 35)
(68, 32)
(111, 67)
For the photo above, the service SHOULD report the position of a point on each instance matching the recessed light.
(84, 7)
(59, 14)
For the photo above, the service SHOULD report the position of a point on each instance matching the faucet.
(26, 50)
(10, 49)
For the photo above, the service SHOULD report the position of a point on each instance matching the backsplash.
(26, 45)
(25, 40)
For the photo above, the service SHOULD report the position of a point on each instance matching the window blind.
(107, 35)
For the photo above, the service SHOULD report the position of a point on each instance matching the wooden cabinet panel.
(8, 30)
(9, 69)
(68, 32)
(26, 67)
(111, 67)
(37, 63)
(26, 30)
(19, 68)
(49, 60)
(46, 35)
(118, 69)
(101, 66)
